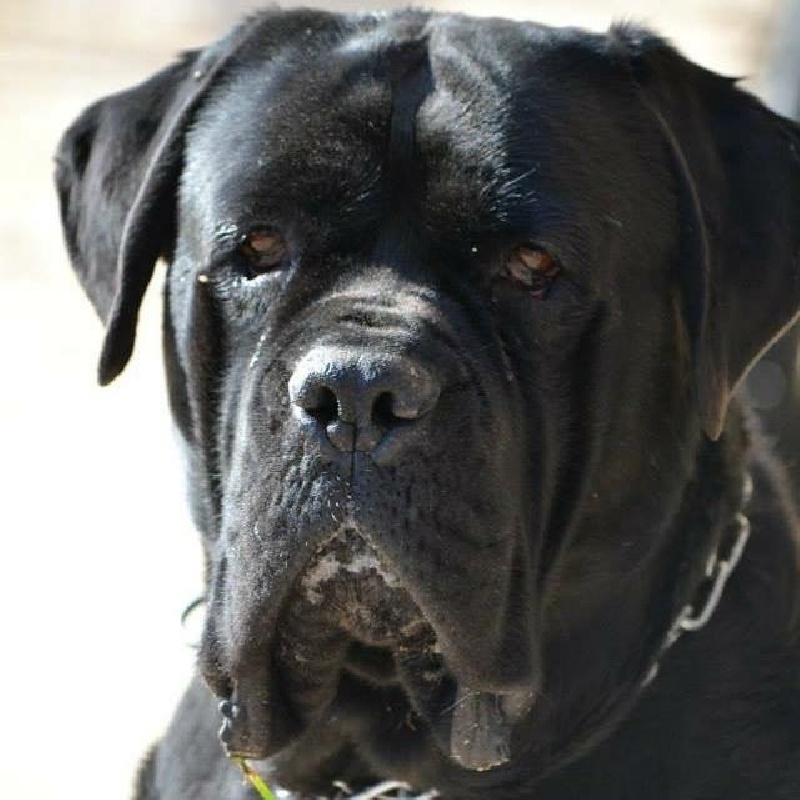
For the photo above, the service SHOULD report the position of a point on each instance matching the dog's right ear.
(117, 173)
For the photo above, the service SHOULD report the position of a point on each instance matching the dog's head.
(451, 305)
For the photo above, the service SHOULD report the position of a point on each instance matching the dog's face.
(450, 304)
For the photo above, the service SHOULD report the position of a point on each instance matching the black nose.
(359, 400)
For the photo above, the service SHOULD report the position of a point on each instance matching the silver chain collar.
(695, 615)
(388, 790)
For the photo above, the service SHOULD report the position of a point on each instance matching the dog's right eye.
(533, 268)
(262, 251)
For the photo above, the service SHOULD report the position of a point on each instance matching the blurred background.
(99, 558)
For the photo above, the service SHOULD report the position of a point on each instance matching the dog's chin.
(355, 651)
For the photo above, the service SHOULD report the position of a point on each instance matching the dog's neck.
(632, 632)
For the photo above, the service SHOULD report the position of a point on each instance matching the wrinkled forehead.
(469, 126)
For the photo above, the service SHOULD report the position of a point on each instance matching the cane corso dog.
(455, 314)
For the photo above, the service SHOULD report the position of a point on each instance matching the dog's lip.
(383, 643)
(472, 727)
(482, 725)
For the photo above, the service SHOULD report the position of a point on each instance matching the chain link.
(695, 615)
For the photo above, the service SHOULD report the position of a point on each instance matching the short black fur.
(420, 488)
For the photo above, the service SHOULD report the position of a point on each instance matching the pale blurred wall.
(98, 558)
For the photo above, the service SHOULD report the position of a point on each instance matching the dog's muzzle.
(351, 636)
(354, 619)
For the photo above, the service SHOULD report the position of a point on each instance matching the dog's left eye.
(263, 251)
(533, 268)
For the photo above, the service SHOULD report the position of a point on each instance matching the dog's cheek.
(549, 345)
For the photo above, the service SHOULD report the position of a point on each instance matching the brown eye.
(263, 251)
(532, 268)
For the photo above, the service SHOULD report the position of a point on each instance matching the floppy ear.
(738, 171)
(117, 173)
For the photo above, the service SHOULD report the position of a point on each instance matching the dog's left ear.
(117, 173)
(737, 168)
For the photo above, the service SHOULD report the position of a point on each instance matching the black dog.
(455, 310)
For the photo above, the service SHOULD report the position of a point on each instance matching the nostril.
(383, 410)
(392, 407)
(322, 405)
(327, 408)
